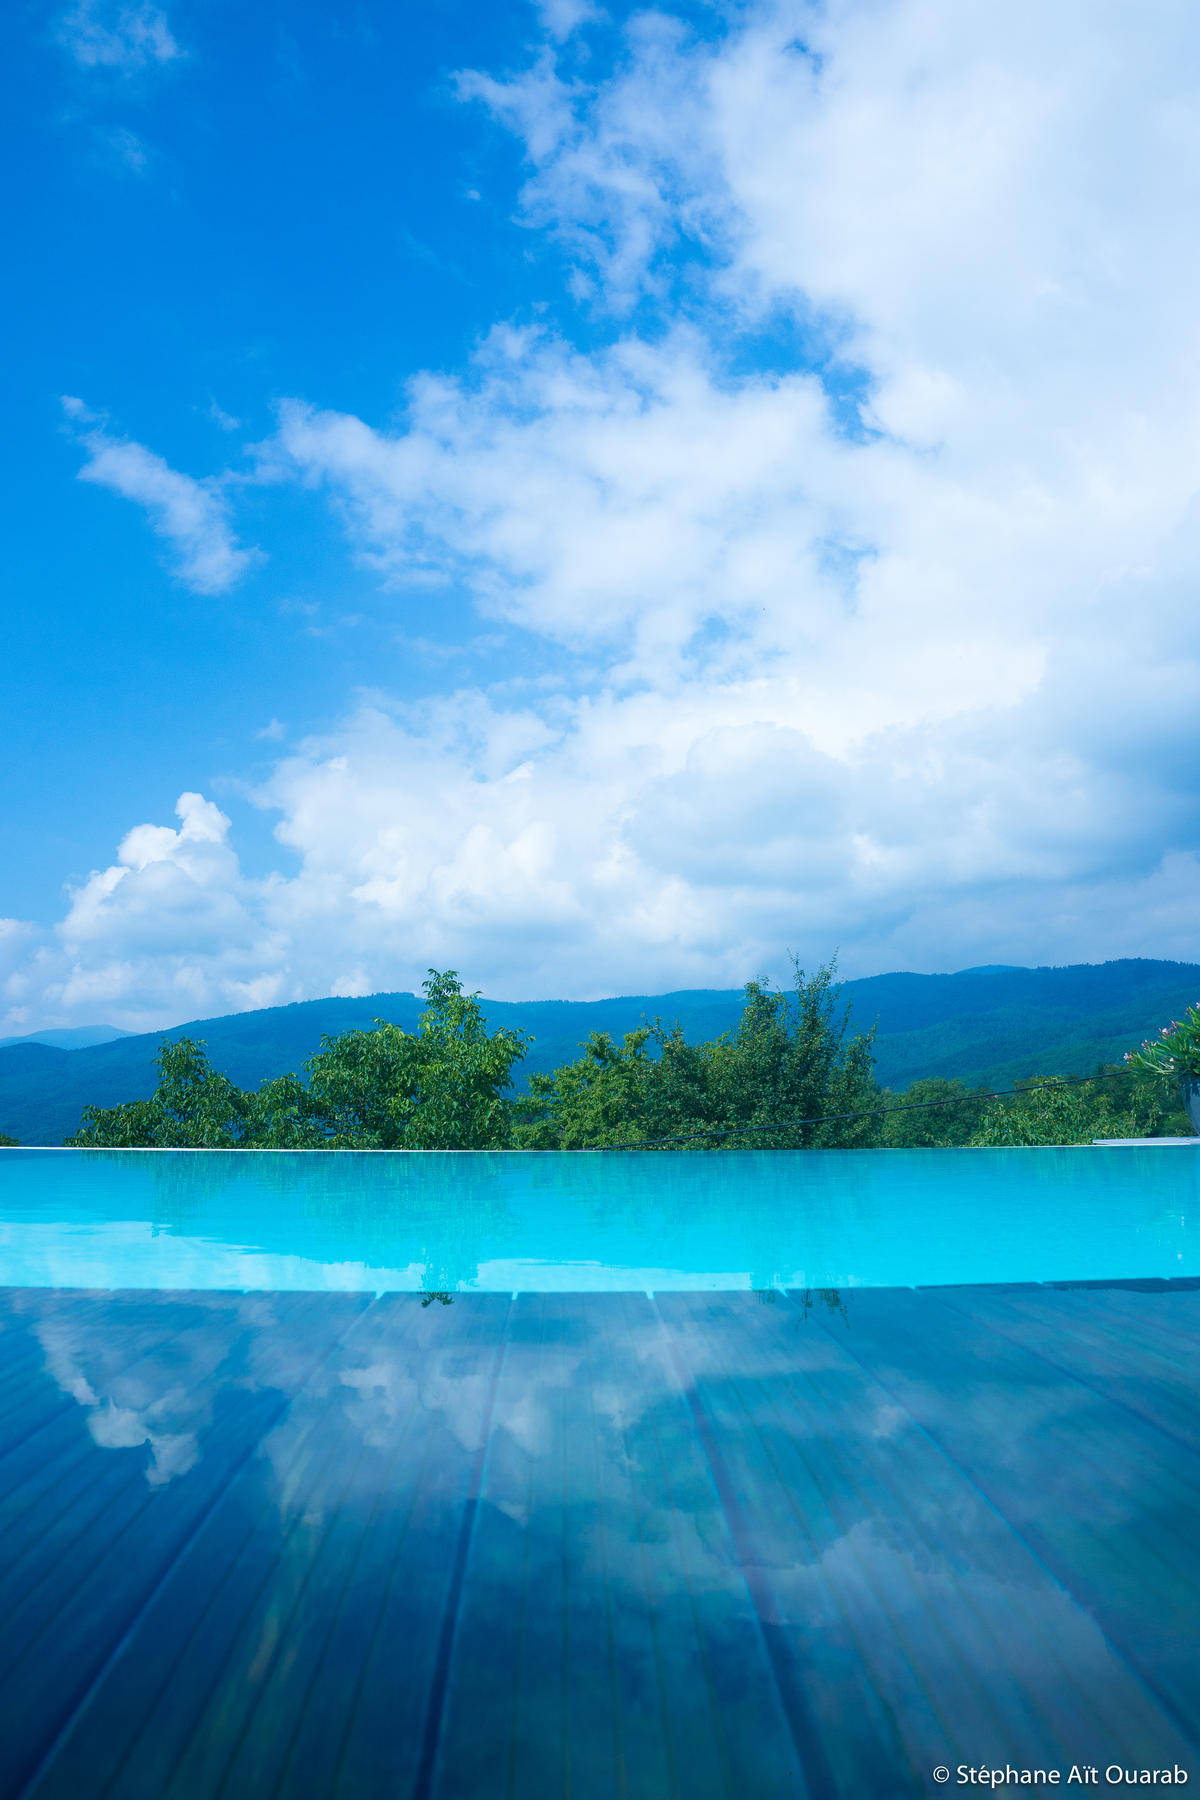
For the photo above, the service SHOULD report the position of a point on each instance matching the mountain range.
(993, 1025)
(69, 1037)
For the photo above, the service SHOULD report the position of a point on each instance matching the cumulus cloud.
(627, 844)
(100, 34)
(607, 169)
(169, 930)
(886, 641)
(965, 590)
(562, 17)
(191, 515)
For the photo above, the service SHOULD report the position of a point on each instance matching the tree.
(789, 1058)
(442, 1087)
(7, 1143)
(1056, 1112)
(194, 1107)
(1151, 1097)
(790, 1075)
(1116, 1102)
(944, 1114)
(602, 1097)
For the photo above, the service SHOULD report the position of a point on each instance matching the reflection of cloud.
(387, 1386)
(683, 1472)
(506, 1223)
(159, 1394)
(122, 1428)
(129, 1253)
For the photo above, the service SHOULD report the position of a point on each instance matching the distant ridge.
(69, 1037)
(994, 1024)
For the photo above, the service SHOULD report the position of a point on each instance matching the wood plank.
(1154, 1374)
(710, 1546)
(909, 1605)
(608, 1643)
(1104, 1500)
(384, 1577)
(413, 1569)
(94, 1584)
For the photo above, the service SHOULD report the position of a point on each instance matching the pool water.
(485, 1477)
(508, 1222)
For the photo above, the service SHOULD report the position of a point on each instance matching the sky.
(602, 499)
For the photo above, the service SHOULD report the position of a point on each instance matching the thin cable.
(865, 1112)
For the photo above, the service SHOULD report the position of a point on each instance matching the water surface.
(637, 1221)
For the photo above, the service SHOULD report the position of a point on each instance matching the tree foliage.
(943, 1114)
(790, 1058)
(1116, 1101)
(791, 1075)
(194, 1107)
(1175, 1052)
(442, 1087)
(1047, 1109)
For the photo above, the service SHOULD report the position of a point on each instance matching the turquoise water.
(344, 1543)
(505, 1222)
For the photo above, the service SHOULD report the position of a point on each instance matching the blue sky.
(598, 497)
(282, 205)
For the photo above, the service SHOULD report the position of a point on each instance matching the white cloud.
(609, 173)
(627, 501)
(560, 18)
(169, 931)
(108, 35)
(916, 674)
(629, 843)
(123, 149)
(190, 514)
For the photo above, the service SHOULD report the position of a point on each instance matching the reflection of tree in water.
(441, 1215)
(389, 1209)
(830, 1298)
(772, 1212)
(456, 1242)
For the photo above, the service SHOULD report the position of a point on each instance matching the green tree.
(1056, 1112)
(281, 1115)
(1118, 1101)
(1175, 1052)
(7, 1143)
(442, 1087)
(194, 1107)
(790, 1057)
(945, 1114)
(602, 1097)
(1149, 1097)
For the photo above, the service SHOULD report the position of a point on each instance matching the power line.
(865, 1112)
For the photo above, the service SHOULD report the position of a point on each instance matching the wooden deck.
(609, 1546)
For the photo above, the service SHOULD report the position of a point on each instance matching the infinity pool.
(635, 1222)
(548, 1525)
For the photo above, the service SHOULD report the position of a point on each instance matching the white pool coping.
(1144, 1143)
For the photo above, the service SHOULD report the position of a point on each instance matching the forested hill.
(990, 1025)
